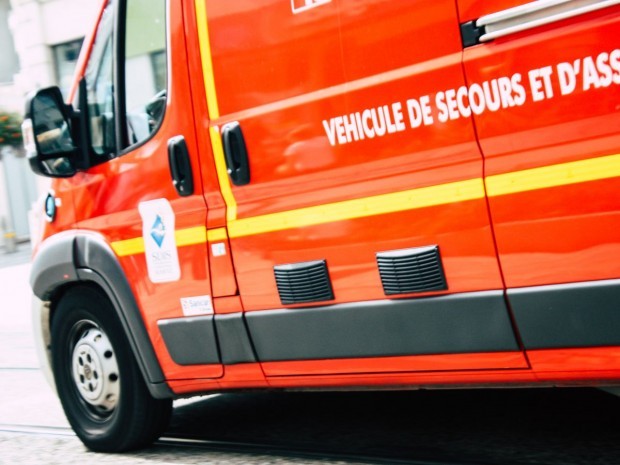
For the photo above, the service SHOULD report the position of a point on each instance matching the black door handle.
(180, 166)
(236, 154)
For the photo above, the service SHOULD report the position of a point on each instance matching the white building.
(40, 42)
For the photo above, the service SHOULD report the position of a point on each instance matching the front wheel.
(99, 383)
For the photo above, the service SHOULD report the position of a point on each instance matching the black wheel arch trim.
(85, 256)
(53, 265)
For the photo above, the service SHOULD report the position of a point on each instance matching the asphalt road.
(508, 427)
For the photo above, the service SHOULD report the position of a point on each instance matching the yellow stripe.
(212, 105)
(182, 237)
(128, 247)
(222, 175)
(553, 176)
(359, 208)
(207, 61)
(191, 236)
(215, 235)
(501, 184)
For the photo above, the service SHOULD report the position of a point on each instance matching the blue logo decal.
(158, 231)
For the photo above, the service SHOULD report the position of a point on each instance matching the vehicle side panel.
(557, 221)
(316, 193)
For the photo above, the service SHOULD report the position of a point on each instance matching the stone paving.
(26, 449)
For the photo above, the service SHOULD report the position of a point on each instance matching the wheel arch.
(75, 258)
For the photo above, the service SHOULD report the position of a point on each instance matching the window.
(100, 87)
(65, 59)
(144, 81)
(145, 67)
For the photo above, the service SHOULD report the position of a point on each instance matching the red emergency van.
(300, 194)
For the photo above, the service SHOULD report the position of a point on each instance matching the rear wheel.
(99, 383)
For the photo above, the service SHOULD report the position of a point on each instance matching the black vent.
(303, 282)
(411, 270)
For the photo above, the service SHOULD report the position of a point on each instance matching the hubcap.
(95, 369)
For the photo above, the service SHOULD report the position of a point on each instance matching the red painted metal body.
(559, 234)
(283, 77)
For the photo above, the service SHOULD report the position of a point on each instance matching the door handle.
(180, 166)
(236, 154)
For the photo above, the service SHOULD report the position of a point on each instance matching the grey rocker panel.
(196, 340)
(85, 256)
(462, 323)
(568, 315)
(234, 339)
(190, 341)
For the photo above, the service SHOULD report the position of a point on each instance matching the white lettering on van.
(299, 6)
(567, 76)
(501, 93)
(540, 83)
(330, 129)
(420, 111)
(365, 124)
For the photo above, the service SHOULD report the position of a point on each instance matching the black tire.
(98, 380)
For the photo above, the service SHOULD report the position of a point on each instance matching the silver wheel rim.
(95, 368)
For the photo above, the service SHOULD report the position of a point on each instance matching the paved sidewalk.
(26, 397)
(19, 257)
(16, 343)
(26, 449)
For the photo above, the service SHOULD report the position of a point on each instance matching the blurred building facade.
(40, 41)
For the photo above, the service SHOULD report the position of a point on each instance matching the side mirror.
(48, 136)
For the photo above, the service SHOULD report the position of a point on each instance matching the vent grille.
(303, 282)
(411, 270)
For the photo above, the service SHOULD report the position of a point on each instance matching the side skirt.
(453, 324)
(568, 315)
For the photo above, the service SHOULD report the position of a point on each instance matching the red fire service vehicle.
(318, 194)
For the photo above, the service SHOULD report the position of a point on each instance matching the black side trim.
(568, 315)
(303, 282)
(470, 33)
(464, 323)
(190, 341)
(235, 344)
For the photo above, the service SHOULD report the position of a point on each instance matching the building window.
(158, 64)
(65, 59)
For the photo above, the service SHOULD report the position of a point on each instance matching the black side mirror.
(48, 136)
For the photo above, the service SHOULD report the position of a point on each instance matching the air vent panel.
(303, 282)
(411, 270)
